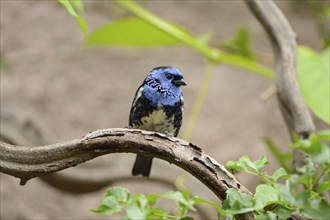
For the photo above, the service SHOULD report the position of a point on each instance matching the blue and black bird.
(157, 106)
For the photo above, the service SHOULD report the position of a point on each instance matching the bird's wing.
(141, 107)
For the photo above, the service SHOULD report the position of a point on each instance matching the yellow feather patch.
(158, 121)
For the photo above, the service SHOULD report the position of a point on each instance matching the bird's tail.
(142, 165)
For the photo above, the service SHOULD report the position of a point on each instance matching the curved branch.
(283, 39)
(29, 162)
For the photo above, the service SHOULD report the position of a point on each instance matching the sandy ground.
(71, 91)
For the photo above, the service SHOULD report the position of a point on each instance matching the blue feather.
(159, 89)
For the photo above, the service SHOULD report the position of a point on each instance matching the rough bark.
(29, 162)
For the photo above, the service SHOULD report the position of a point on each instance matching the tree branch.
(283, 39)
(29, 162)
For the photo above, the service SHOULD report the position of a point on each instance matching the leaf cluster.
(139, 206)
(282, 193)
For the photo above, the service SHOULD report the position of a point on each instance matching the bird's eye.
(168, 76)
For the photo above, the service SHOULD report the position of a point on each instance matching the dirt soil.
(70, 90)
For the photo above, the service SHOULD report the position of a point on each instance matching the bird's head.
(163, 83)
(167, 77)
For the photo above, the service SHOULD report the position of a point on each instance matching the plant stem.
(247, 64)
(324, 171)
(198, 103)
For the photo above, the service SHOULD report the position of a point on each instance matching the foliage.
(284, 193)
(277, 197)
(240, 43)
(118, 33)
(314, 80)
(139, 206)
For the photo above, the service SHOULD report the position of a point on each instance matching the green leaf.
(235, 165)
(323, 187)
(119, 193)
(285, 192)
(82, 23)
(141, 200)
(237, 202)
(78, 5)
(70, 8)
(245, 163)
(240, 43)
(309, 174)
(136, 208)
(259, 164)
(268, 215)
(283, 213)
(113, 201)
(157, 213)
(130, 32)
(265, 195)
(324, 135)
(326, 11)
(205, 38)
(256, 165)
(186, 218)
(176, 196)
(67, 4)
(108, 207)
(279, 173)
(317, 209)
(152, 199)
(315, 148)
(184, 202)
(313, 77)
(200, 201)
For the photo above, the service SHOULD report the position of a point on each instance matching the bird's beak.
(179, 82)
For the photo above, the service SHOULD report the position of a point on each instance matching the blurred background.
(54, 89)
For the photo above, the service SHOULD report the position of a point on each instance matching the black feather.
(142, 165)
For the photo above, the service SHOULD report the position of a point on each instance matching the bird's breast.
(158, 121)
